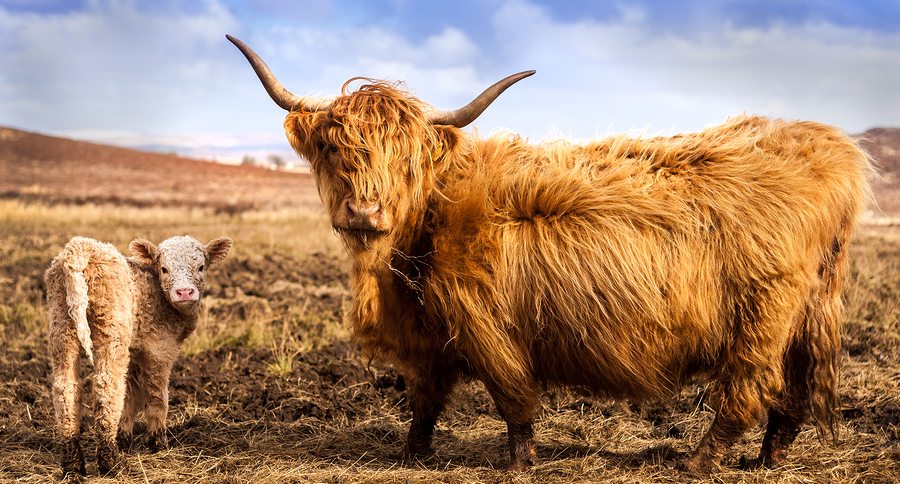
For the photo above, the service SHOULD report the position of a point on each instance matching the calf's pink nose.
(185, 294)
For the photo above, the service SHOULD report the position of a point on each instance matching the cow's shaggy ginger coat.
(129, 315)
(623, 267)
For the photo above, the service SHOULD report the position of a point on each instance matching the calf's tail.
(77, 298)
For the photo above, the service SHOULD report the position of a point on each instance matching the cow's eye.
(326, 148)
(200, 269)
(164, 270)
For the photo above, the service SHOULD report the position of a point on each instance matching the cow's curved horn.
(282, 97)
(466, 114)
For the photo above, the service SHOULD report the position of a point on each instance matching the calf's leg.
(157, 369)
(135, 399)
(109, 386)
(66, 392)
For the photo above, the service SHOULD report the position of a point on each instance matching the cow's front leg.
(428, 391)
(517, 406)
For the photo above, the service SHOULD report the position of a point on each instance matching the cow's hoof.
(746, 464)
(696, 465)
(523, 462)
(519, 465)
(73, 478)
(416, 453)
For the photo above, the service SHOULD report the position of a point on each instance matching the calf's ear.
(144, 251)
(217, 249)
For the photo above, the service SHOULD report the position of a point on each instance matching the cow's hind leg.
(789, 412)
(810, 363)
(428, 391)
(751, 376)
(725, 430)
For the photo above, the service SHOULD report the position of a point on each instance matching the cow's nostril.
(365, 209)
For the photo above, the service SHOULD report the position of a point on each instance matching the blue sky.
(161, 74)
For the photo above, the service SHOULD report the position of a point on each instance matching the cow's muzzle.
(364, 215)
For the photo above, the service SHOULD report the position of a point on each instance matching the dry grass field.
(270, 388)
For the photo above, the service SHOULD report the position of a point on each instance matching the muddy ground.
(334, 416)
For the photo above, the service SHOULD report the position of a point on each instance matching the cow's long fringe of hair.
(624, 266)
(377, 114)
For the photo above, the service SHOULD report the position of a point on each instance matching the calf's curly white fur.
(129, 315)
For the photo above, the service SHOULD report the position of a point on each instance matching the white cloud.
(627, 74)
(168, 77)
(111, 64)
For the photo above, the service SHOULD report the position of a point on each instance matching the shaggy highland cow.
(129, 315)
(623, 267)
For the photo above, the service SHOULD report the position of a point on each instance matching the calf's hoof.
(109, 460)
(157, 441)
(72, 458)
(124, 440)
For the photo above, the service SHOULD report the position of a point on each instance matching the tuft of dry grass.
(271, 390)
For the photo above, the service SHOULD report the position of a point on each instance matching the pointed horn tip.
(522, 75)
(236, 41)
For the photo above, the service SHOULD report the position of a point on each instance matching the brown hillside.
(884, 145)
(35, 166)
(40, 167)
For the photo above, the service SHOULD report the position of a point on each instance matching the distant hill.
(52, 169)
(884, 146)
(47, 168)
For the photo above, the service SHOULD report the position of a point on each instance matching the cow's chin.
(362, 239)
(360, 235)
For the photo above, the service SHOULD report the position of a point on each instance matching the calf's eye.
(200, 269)
(164, 270)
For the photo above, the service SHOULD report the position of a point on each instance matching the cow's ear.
(218, 249)
(144, 251)
(446, 143)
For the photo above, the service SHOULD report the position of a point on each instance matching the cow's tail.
(77, 297)
(823, 337)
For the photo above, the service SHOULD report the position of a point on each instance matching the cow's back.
(621, 264)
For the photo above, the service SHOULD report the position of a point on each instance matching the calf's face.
(181, 264)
